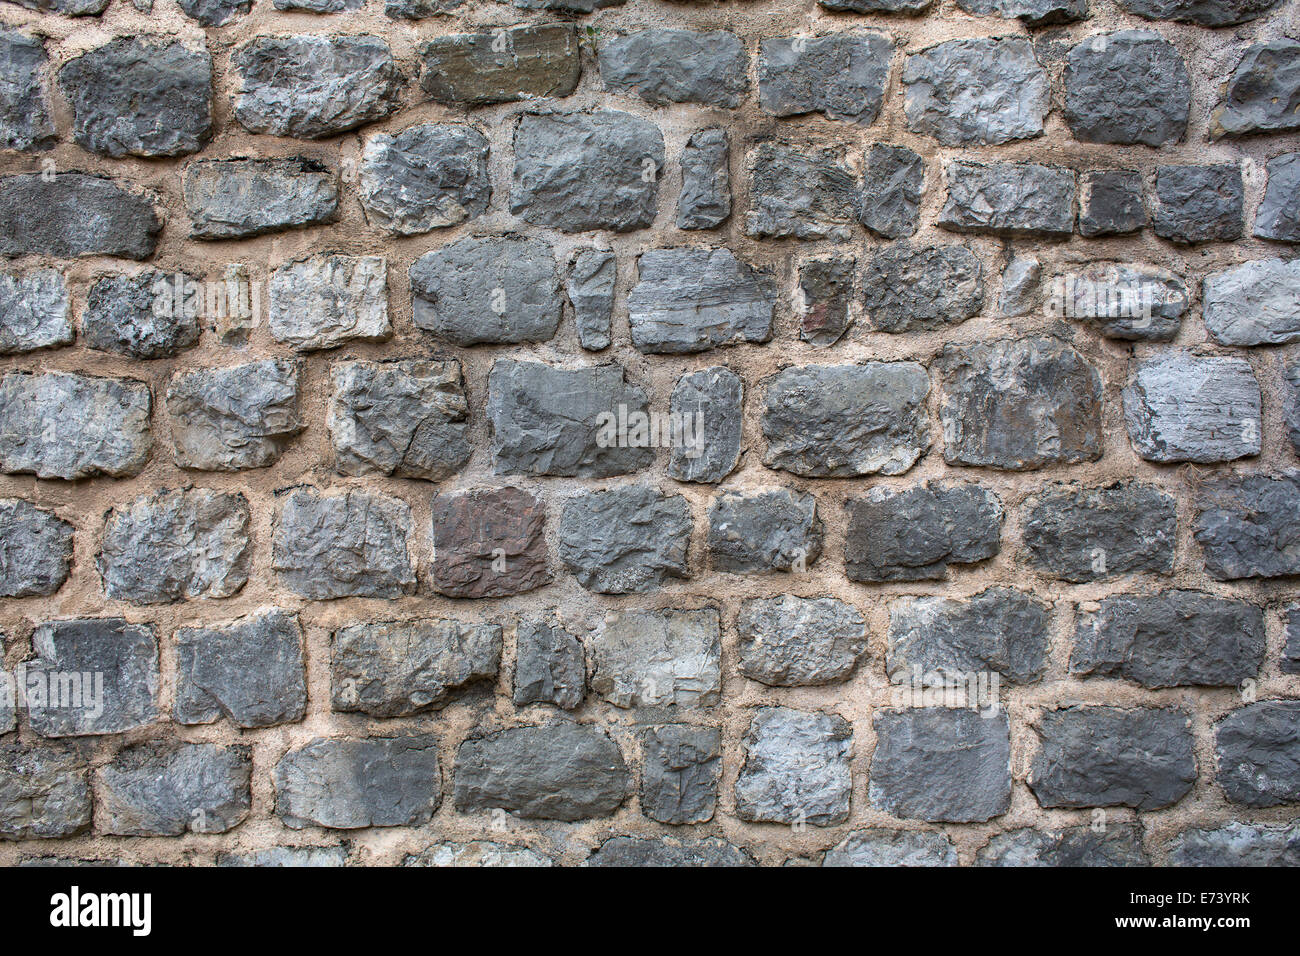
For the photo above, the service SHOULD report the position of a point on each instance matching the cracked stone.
(1184, 407)
(691, 300)
(789, 641)
(324, 301)
(136, 316)
(426, 177)
(669, 658)
(922, 288)
(796, 768)
(228, 419)
(770, 530)
(679, 779)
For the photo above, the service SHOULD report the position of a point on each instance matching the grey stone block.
(789, 641)
(908, 288)
(1182, 407)
(679, 779)
(796, 768)
(239, 198)
(677, 66)
(426, 177)
(669, 658)
(228, 419)
(174, 788)
(771, 530)
(691, 300)
(842, 76)
(1126, 87)
(1091, 534)
(349, 784)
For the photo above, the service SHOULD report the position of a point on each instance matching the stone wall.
(461, 432)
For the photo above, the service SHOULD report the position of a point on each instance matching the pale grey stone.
(669, 658)
(1020, 279)
(1184, 407)
(770, 530)
(1237, 844)
(44, 793)
(287, 856)
(1116, 844)
(789, 641)
(1130, 302)
(25, 120)
(796, 768)
(690, 300)
(135, 316)
(33, 311)
(679, 778)
(1009, 199)
(426, 177)
(477, 853)
(800, 194)
(986, 90)
(228, 419)
(326, 300)
(876, 847)
(350, 784)
(238, 198)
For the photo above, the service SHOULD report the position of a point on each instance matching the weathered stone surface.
(35, 549)
(667, 658)
(75, 214)
(475, 69)
(842, 75)
(1258, 750)
(1090, 534)
(419, 9)
(320, 6)
(590, 287)
(690, 300)
(800, 194)
(877, 847)
(34, 310)
(399, 668)
(1129, 86)
(1263, 92)
(238, 198)
(581, 171)
(349, 784)
(488, 542)
(913, 289)
(1009, 199)
(227, 419)
(546, 420)
(558, 772)
(833, 421)
(1118, 844)
(825, 294)
(677, 66)
(1278, 216)
(249, 671)
(626, 851)
(68, 8)
(709, 404)
(679, 778)
(132, 97)
(1171, 639)
(477, 853)
(625, 540)
(287, 856)
(487, 290)
(324, 301)
(550, 665)
(44, 793)
(796, 768)
(1123, 301)
(978, 90)
(1247, 526)
(1183, 407)
(941, 764)
(1019, 404)
(1237, 844)
(907, 7)
(1110, 202)
(343, 545)
(1291, 404)
(1098, 756)
(173, 788)
(65, 425)
(772, 530)
(1000, 630)
(25, 121)
(211, 13)
(312, 87)
(1206, 13)
(134, 315)
(8, 702)
(915, 533)
(116, 664)
(1034, 13)
(1198, 203)
(1019, 294)
(705, 199)
(890, 205)
(175, 545)
(426, 177)
(790, 641)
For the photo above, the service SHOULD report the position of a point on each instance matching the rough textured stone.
(582, 171)
(550, 666)
(349, 784)
(892, 848)
(978, 90)
(1019, 294)
(705, 199)
(772, 530)
(64, 425)
(1034, 13)
(677, 66)
(625, 540)
(250, 671)
(711, 401)
(558, 772)
(131, 97)
(690, 300)
(174, 545)
(1263, 93)
(426, 177)
(824, 296)
(545, 420)
(1019, 404)
(1127, 87)
(626, 851)
(477, 853)
(287, 856)
(238, 198)
(324, 301)
(343, 545)
(75, 214)
(1247, 526)
(25, 121)
(1091, 534)
(912, 289)
(488, 290)
(790, 641)
(679, 778)
(1123, 301)
(1278, 216)
(590, 287)
(312, 87)
(1258, 750)
(1118, 844)
(34, 310)
(1009, 199)
(940, 764)
(1000, 630)
(1291, 651)
(134, 315)
(1099, 756)
(890, 205)
(212, 13)
(1110, 202)
(488, 542)
(1237, 844)
(1206, 13)
(35, 549)
(399, 668)
(800, 194)
(475, 69)
(796, 768)
(665, 658)
(833, 421)
(228, 419)
(114, 666)
(842, 76)
(1198, 203)
(44, 793)
(1182, 407)
(1291, 404)
(907, 7)
(1172, 639)
(169, 789)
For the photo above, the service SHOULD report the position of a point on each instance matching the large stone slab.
(136, 316)
(679, 776)
(770, 530)
(796, 768)
(1009, 199)
(658, 658)
(625, 540)
(800, 194)
(228, 419)
(350, 784)
(1090, 534)
(1125, 301)
(841, 76)
(174, 788)
(1255, 303)
(1198, 203)
(908, 288)
(1182, 407)
(1127, 87)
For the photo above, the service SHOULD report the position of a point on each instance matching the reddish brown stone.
(488, 542)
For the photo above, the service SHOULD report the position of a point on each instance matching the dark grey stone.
(239, 198)
(34, 311)
(44, 793)
(626, 851)
(35, 549)
(1237, 844)
(1184, 407)
(1035, 13)
(770, 530)
(876, 847)
(705, 200)
(1122, 301)
(923, 288)
(1258, 750)
(890, 205)
(1264, 91)
(1291, 650)
(135, 316)
(1198, 203)
(800, 194)
(210, 13)
(426, 177)
(75, 214)
(590, 286)
(842, 76)
(708, 403)
(677, 66)
(679, 778)
(1110, 202)
(174, 788)
(1291, 404)
(550, 666)
(825, 294)
(905, 7)
(349, 784)
(25, 120)
(690, 300)
(1255, 303)
(789, 641)
(1206, 13)
(500, 66)
(668, 658)
(1278, 216)
(1248, 526)
(796, 768)
(1009, 199)
(1110, 844)
(228, 419)
(625, 540)
(1091, 534)
(1127, 87)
